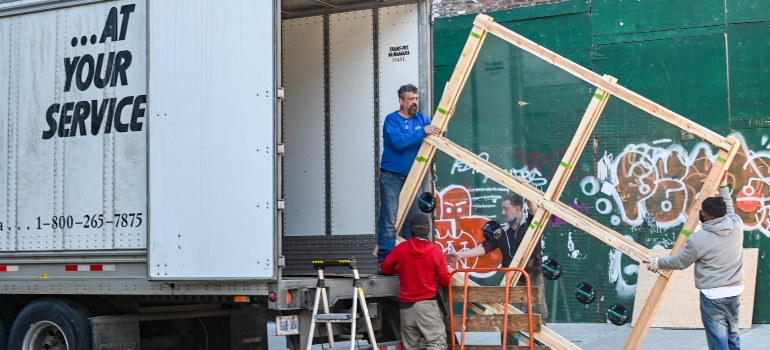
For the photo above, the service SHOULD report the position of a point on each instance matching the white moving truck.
(169, 168)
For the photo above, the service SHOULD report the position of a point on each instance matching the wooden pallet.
(548, 201)
(491, 322)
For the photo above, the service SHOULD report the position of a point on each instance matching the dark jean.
(390, 189)
(720, 319)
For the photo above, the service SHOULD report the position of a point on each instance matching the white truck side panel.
(399, 55)
(304, 126)
(351, 51)
(7, 239)
(73, 154)
(211, 155)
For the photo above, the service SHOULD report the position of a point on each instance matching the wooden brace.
(569, 214)
(559, 182)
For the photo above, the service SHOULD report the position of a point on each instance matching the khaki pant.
(423, 319)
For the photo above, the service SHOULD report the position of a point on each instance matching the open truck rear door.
(211, 139)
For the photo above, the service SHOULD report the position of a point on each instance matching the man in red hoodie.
(421, 265)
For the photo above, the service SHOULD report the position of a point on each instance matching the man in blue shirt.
(402, 136)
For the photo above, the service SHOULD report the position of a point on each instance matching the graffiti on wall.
(654, 185)
(529, 171)
(645, 187)
(457, 229)
(458, 226)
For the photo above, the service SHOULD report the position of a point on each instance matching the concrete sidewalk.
(601, 336)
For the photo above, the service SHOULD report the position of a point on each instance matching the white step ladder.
(329, 318)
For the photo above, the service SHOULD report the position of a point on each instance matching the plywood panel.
(491, 323)
(494, 294)
(681, 305)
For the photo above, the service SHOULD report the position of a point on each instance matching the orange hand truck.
(507, 302)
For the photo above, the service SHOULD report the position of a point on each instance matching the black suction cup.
(552, 269)
(585, 293)
(618, 314)
(492, 231)
(426, 202)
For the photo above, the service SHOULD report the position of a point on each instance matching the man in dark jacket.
(717, 252)
(419, 264)
(508, 243)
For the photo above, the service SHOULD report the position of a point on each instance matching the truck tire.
(47, 323)
(9, 308)
(3, 338)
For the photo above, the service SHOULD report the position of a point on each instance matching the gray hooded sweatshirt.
(716, 249)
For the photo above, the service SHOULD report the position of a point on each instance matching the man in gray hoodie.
(717, 251)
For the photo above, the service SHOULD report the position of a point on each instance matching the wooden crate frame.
(548, 201)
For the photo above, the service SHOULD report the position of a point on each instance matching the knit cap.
(419, 226)
(714, 206)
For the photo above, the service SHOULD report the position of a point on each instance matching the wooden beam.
(494, 323)
(490, 294)
(509, 347)
(440, 119)
(583, 73)
(577, 219)
(724, 158)
(559, 181)
(545, 335)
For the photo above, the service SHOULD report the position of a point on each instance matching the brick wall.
(448, 8)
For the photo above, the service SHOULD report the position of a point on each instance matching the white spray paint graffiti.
(533, 175)
(617, 273)
(645, 159)
(651, 185)
(603, 167)
(573, 253)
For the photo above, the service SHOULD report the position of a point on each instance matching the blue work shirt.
(401, 139)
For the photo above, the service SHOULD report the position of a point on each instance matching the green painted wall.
(638, 174)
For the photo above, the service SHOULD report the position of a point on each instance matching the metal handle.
(616, 314)
(321, 264)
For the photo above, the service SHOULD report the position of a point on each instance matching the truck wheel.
(49, 323)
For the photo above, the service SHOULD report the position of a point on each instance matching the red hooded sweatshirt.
(419, 263)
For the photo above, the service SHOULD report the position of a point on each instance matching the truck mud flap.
(115, 332)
